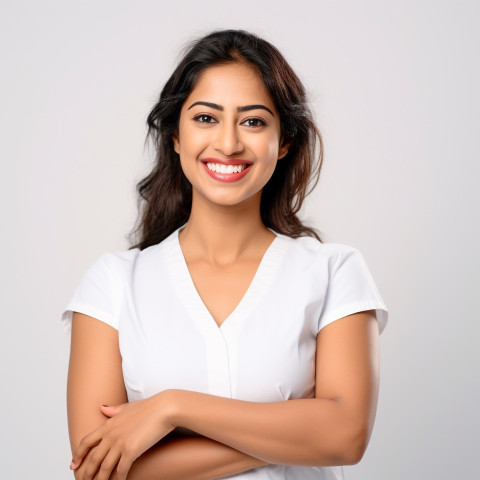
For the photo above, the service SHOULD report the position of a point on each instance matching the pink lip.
(227, 177)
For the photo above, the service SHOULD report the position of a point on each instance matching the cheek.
(268, 153)
(268, 149)
(192, 142)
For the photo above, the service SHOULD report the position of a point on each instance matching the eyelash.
(260, 122)
(208, 119)
(203, 115)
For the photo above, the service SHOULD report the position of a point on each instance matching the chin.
(233, 200)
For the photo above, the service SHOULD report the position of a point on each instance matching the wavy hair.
(165, 194)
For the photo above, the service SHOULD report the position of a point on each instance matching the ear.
(176, 143)
(284, 147)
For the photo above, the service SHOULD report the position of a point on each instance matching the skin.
(225, 239)
(223, 243)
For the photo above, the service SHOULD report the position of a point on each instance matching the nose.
(227, 140)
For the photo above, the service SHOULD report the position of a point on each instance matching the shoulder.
(123, 262)
(122, 274)
(312, 264)
(111, 266)
(309, 249)
(119, 259)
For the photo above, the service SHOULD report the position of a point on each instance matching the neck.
(224, 234)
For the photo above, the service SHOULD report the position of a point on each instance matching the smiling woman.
(229, 340)
(238, 128)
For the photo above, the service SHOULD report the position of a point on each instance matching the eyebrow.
(245, 108)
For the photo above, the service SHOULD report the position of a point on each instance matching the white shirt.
(263, 352)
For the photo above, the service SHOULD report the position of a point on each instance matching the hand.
(80, 471)
(131, 429)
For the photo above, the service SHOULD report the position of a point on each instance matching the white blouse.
(263, 352)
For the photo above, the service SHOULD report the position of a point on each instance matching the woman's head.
(166, 191)
(228, 137)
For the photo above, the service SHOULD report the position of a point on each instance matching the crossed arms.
(134, 439)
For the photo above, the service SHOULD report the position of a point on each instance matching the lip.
(232, 161)
(226, 177)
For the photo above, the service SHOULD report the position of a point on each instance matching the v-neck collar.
(194, 304)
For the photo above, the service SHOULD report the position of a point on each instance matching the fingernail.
(73, 465)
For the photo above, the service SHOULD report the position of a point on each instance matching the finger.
(111, 411)
(79, 471)
(108, 464)
(86, 443)
(124, 465)
(95, 460)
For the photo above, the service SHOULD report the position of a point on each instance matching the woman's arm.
(95, 378)
(192, 458)
(332, 429)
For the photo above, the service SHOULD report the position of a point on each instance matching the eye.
(254, 122)
(204, 118)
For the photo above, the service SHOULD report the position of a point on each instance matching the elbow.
(354, 446)
(348, 449)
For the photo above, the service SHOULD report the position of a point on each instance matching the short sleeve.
(99, 294)
(351, 289)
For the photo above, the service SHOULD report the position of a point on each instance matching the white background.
(394, 86)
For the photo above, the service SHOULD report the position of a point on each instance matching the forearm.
(195, 458)
(295, 432)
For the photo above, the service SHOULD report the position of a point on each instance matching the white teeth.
(222, 168)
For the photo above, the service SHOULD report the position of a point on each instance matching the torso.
(263, 352)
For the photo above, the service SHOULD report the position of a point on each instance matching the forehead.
(230, 84)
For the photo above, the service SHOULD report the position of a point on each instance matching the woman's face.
(229, 137)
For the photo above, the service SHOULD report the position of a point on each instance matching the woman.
(185, 348)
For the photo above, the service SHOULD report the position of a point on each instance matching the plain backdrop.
(394, 86)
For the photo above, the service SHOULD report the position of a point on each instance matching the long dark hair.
(165, 195)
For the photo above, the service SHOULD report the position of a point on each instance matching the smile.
(227, 172)
(222, 168)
